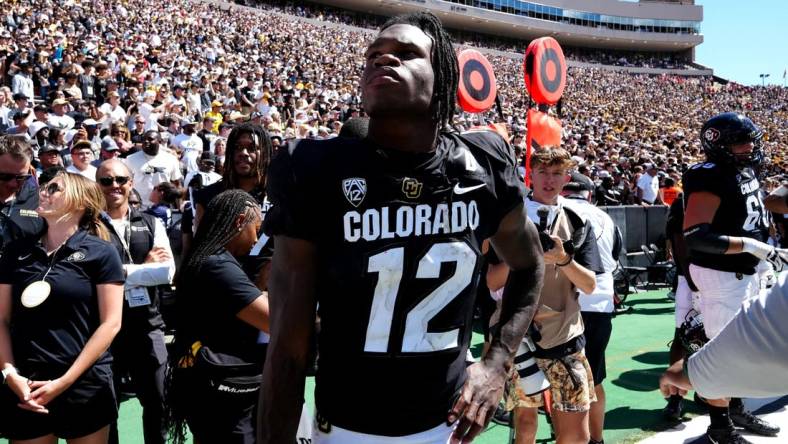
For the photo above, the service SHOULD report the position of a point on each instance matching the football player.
(384, 233)
(725, 228)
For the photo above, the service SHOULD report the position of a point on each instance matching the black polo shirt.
(18, 218)
(55, 332)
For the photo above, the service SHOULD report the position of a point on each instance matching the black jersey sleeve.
(292, 212)
(587, 254)
(509, 190)
(706, 177)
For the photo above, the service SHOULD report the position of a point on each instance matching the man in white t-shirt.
(596, 308)
(648, 186)
(58, 118)
(152, 166)
(111, 111)
(81, 157)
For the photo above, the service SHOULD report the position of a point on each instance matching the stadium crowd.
(301, 80)
(168, 105)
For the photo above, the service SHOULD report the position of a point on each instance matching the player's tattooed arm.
(293, 303)
(517, 243)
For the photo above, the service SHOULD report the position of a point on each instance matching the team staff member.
(18, 193)
(596, 308)
(220, 314)
(377, 276)
(725, 228)
(560, 347)
(144, 248)
(61, 301)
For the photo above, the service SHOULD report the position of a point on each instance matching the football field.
(636, 356)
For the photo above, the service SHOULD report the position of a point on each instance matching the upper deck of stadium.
(646, 25)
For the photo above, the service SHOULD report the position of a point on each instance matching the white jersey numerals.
(389, 265)
(755, 213)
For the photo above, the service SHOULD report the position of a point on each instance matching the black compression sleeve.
(701, 238)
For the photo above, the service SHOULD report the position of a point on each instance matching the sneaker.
(752, 423)
(671, 295)
(728, 435)
(675, 409)
(502, 417)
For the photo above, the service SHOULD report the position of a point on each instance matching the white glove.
(778, 257)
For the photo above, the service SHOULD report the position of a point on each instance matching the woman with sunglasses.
(18, 196)
(217, 359)
(60, 308)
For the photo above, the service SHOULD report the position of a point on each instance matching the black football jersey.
(741, 212)
(398, 238)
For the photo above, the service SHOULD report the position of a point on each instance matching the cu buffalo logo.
(411, 188)
(355, 188)
(711, 135)
(76, 256)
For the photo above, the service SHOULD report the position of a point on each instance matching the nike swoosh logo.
(462, 190)
(21, 258)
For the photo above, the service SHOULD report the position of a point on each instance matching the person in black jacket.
(144, 248)
(217, 366)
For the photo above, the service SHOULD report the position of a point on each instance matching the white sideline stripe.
(690, 431)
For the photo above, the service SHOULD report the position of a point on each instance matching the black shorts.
(598, 327)
(225, 415)
(84, 408)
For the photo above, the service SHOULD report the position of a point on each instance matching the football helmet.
(724, 130)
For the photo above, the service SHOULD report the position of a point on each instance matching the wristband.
(568, 261)
(8, 371)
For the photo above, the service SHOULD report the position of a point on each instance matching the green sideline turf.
(636, 356)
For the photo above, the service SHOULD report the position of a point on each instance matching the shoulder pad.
(490, 142)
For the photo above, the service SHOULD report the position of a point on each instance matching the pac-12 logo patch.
(711, 134)
(355, 189)
(411, 188)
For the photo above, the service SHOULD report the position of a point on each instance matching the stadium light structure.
(763, 79)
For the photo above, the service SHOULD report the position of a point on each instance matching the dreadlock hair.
(262, 143)
(216, 229)
(217, 226)
(444, 62)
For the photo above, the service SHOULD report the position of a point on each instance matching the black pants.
(143, 356)
(598, 327)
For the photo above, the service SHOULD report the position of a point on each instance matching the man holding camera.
(571, 260)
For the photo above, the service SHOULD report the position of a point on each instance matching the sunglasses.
(108, 181)
(6, 177)
(51, 189)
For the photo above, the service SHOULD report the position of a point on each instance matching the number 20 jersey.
(398, 240)
(741, 212)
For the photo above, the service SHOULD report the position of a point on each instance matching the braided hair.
(215, 231)
(217, 227)
(262, 144)
(444, 62)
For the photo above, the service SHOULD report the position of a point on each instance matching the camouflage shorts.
(571, 385)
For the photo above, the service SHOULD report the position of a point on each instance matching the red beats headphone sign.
(477, 88)
(545, 70)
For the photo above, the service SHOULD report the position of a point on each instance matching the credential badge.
(355, 189)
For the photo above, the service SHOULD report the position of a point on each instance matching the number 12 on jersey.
(389, 266)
